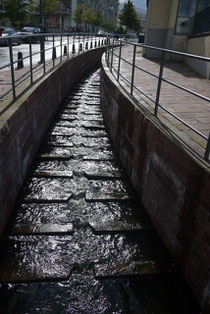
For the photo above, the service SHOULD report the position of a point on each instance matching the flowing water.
(79, 240)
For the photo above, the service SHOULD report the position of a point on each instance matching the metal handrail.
(110, 54)
(71, 39)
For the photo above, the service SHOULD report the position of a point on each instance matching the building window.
(202, 18)
(203, 4)
(185, 18)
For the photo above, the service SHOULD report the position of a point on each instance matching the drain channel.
(79, 240)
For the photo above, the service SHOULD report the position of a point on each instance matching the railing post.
(68, 45)
(73, 45)
(42, 52)
(12, 69)
(61, 47)
(44, 63)
(112, 54)
(133, 68)
(207, 151)
(107, 53)
(159, 82)
(119, 60)
(54, 50)
(31, 61)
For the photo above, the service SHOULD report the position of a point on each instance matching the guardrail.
(51, 50)
(115, 70)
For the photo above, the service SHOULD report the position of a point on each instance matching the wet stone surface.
(46, 189)
(79, 240)
(55, 153)
(107, 191)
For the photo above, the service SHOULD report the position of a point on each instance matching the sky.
(138, 3)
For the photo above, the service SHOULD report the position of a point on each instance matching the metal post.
(12, 69)
(31, 61)
(68, 46)
(61, 47)
(159, 83)
(73, 45)
(107, 51)
(133, 68)
(119, 60)
(42, 49)
(44, 64)
(54, 50)
(112, 54)
(207, 151)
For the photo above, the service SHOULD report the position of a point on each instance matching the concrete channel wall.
(23, 126)
(173, 185)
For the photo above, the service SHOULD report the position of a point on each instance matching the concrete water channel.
(79, 240)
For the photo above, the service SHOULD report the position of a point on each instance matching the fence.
(116, 71)
(45, 51)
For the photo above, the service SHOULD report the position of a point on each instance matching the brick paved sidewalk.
(190, 108)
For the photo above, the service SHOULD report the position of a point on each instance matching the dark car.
(9, 32)
(28, 31)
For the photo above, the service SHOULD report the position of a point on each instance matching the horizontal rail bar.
(183, 122)
(186, 90)
(169, 51)
(161, 79)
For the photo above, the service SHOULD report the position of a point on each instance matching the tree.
(17, 12)
(89, 16)
(49, 7)
(129, 18)
(78, 14)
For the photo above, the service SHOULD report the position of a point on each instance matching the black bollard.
(73, 48)
(80, 47)
(54, 54)
(65, 50)
(91, 45)
(102, 42)
(99, 44)
(86, 47)
(20, 61)
(95, 43)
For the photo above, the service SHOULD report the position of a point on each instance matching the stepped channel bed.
(79, 240)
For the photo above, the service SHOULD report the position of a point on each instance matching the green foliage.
(99, 18)
(17, 12)
(129, 18)
(109, 24)
(121, 30)
(78, 14)
(89, 16)
(49, 6)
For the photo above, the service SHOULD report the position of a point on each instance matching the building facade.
(182, 25)
(108, 8)
(63, 18)
(57, 21)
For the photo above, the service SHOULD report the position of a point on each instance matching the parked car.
(28, 31)
(7, 32)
